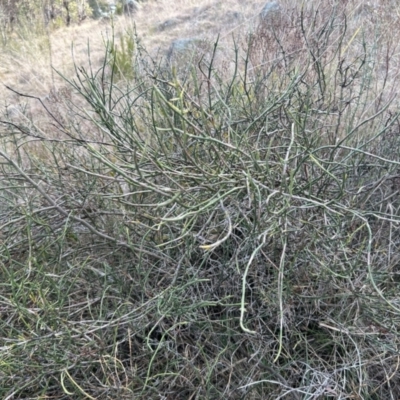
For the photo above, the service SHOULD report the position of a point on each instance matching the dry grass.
(26, 64)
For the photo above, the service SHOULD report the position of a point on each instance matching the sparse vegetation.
(224, 229)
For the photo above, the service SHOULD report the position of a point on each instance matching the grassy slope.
(26, 63)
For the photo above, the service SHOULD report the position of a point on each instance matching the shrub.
(222, 233)
(121, 57)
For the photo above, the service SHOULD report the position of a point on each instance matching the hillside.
(27, 61)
